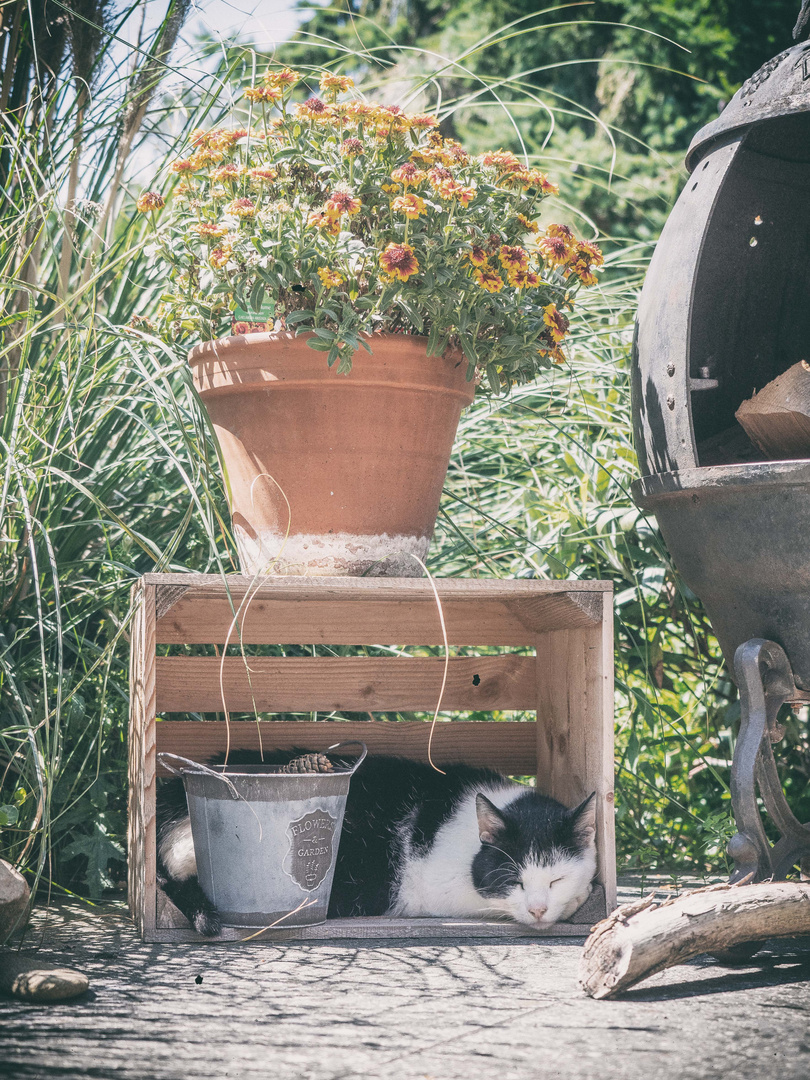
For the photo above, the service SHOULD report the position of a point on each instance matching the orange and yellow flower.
(528, 225)
(205, 156)
(556, 322)
(502, 160)
(477, 256)
(422, 121)
(318, 219)
(410, 205)
(182, 190)
(264, 175)
(341, 202)
(523, 279)
(220, 255)
(330, 278)
(399, 262)
(182, 165)
(242, 208)
(286, 77)
(263, 93)
(230, 172)
(336, 83)
(489, 280)
(149, 201)
(438, 175)
(585, 257)
(557, 246)
(408, 175)
(314, 109)
(352, 148)
(209, 229)
(513, 257)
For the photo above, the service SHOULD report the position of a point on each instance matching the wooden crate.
(568, 683)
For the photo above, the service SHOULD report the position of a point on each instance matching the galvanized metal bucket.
(266, 842)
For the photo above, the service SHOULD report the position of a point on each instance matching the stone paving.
(449, 1010)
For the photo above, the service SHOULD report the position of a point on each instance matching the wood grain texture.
(173, 926)
(141, 749)
(568, 623)
(641, 938)
(342, 683)
(359, 611)
(575, 728)
(510, 746)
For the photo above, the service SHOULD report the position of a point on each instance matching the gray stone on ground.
(14, 896)
(392, 1010)
(30, 978)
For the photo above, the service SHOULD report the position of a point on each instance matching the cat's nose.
(538, 911)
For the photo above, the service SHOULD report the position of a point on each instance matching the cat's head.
(537, 859)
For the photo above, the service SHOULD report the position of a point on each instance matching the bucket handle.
(352, 742)
(197, 766)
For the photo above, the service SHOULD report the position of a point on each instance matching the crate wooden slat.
(568, 683)
(359, 611)
(348, 683)
(506, 745)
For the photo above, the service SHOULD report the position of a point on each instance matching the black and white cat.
(467, 844)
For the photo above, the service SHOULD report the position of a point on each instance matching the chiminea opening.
(750, 318)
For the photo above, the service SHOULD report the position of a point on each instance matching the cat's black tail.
(191, 900)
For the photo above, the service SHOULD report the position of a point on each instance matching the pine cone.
(309, 763)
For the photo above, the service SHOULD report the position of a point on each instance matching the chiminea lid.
(781, 87)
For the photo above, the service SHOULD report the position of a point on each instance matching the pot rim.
(282, 361)
(267, 337)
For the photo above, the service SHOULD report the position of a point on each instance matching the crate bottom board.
(379, 927)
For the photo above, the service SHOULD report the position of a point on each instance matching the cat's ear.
(490, 819)
(584, 819)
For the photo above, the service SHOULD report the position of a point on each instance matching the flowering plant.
(345, 218)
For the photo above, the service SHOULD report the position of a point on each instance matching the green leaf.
(9, 815)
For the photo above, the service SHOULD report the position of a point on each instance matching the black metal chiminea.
(725, 309)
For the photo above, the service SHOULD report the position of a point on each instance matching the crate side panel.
(141, 760)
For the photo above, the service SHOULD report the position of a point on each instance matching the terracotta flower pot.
(328, 473)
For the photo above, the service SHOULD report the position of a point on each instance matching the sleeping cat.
(468, 844)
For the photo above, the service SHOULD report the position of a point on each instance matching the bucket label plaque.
(310, 854)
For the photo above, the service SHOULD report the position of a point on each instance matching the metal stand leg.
(766, 681)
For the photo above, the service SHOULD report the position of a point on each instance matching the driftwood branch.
(639, 939)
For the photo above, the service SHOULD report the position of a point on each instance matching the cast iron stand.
(765, 680)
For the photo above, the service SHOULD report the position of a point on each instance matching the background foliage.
(106, 463)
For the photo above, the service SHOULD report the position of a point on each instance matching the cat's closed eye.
(556, 881)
